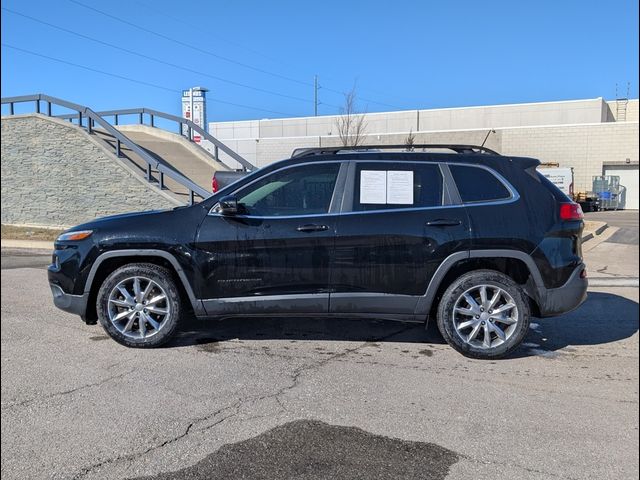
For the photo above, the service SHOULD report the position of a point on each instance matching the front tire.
(139, 305)
(484, 314)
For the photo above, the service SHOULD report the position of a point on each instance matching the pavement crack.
(235, 407)
(604, 272)
(29, 401)
(295, 376)
(187, 430)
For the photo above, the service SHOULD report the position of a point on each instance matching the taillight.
(571, 211)
(214, 184)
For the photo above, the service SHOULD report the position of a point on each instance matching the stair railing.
(93, 118)
(191, 129)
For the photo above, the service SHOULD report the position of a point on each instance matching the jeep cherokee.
(474, 239)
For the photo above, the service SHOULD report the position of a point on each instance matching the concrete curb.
(27, 244)
(592, 233)
(614, 282)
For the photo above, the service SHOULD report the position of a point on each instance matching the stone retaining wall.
(55, 174)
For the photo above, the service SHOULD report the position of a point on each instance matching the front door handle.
(443, 222)
(311, 227)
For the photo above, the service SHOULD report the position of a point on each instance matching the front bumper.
(556, 301)
(69, 303)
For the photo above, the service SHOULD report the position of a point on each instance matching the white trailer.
(560, 177)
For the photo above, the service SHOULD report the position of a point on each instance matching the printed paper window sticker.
(373, 187)
(400, 187)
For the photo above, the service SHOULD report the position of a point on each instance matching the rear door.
(399, 222)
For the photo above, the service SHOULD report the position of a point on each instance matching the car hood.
(112, 220)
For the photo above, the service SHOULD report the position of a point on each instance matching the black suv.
(477, 240)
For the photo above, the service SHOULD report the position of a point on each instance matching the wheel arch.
(516, 264)
(107, 262)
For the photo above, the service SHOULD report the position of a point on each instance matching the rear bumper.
(69, 303)
(556, 301)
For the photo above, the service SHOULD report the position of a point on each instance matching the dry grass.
(15, 232)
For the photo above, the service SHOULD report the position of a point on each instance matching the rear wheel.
(484, 314)
(139, 305)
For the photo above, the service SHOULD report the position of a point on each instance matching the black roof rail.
(457, 148)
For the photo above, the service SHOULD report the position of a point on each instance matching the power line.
(215, 55)
(155, 9)
(164, 13)
(365, 99)
(188, 45)
(141, 82)
(158, 60)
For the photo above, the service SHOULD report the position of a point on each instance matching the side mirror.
(228, 205)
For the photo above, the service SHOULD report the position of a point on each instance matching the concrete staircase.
(172, 149)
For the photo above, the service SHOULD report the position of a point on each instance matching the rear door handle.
(311, 227)
(443, 222)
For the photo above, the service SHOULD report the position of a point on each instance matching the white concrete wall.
(582, 134)
(583, 147)
(493, 116)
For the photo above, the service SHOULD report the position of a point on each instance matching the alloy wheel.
(485, 316)
(138, 307)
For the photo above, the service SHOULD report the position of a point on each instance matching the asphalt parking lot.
(313, 398)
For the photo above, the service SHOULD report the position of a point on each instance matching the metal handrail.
(191, 127)
(92, 117)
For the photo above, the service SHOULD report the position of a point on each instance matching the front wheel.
(139, 305)
(484, 314)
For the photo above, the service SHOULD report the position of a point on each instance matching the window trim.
(334, 204)
(342, 199)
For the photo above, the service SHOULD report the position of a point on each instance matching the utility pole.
(315, 95)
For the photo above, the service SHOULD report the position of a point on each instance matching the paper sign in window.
(373, 186)
(400, 187)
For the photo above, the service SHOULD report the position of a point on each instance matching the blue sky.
(260, 57)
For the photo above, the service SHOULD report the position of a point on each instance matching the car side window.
(396, 185)
(477, 184)
(302, 190)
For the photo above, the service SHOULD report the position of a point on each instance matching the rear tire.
(139, 305)
(484, 314)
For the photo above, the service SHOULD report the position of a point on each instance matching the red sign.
(196, 138)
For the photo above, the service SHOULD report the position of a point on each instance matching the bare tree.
(350, 124)
(410, 140)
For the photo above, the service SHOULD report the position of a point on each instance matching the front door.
(398, 226)
(274, 255)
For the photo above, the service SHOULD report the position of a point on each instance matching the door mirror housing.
(228, 205)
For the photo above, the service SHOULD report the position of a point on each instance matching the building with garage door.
(594, 136)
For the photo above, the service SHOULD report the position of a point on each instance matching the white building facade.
(593, 136)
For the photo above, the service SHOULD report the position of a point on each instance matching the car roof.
(493, 160)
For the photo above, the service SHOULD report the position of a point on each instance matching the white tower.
(194, 108)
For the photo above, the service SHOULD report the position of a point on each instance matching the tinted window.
(392, 185)
(478, 184)
(302, 190)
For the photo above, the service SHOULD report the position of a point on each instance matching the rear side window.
(477, 184)
(395, 185)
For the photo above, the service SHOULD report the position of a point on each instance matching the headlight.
(74, 236)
